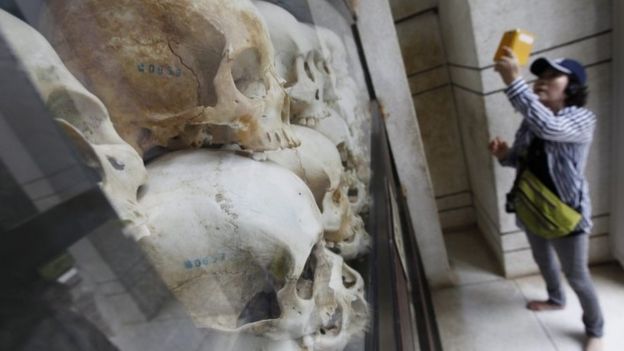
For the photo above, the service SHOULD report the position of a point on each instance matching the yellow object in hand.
(520, 42)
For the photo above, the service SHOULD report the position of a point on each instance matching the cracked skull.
(238, 241)
(176, 73)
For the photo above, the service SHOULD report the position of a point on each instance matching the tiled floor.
(485, 312)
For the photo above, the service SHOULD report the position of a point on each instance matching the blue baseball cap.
(563, 65)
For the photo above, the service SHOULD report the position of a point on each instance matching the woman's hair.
(576, 93)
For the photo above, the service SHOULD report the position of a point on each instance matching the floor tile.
(470, 258)
(485, 312)
(487, 317)
(565, 327)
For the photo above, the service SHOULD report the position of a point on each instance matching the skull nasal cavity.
(248, 74)
(305, 284)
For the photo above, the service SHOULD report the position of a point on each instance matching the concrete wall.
(471, 31)
(418, 28)
(617, 192)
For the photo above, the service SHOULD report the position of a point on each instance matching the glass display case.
(196, 175)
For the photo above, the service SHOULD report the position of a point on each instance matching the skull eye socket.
(248, 74)
(262, 306)
(264, 303)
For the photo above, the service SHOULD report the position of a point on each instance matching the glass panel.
(232, 140)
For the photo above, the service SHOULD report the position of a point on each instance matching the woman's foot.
(593, 344)
(547, 305)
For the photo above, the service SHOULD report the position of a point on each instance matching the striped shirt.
(567, 137)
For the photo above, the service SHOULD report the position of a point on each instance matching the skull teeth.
(280, 139)
(286, 139)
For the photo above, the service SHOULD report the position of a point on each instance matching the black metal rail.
(395, 287)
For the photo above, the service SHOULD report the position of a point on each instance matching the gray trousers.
(573, 255)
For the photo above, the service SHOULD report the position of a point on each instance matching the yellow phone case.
(520, 42)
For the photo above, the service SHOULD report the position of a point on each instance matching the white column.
(383, 55)
(617, 176)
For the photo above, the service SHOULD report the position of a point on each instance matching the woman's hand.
(498, 148)
(507, 66)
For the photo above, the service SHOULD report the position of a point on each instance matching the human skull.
(303, 53)
(357, 192)
(307, 93)
(176, 73)
(333, 52)
(285, 34)
(356, 169)
(239, 243)
(85, 119)
(352, 104)
(317, 162)
(295, 50)
(344, 230)
(350, 310)
(325, 72)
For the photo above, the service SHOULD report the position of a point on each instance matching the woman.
(557, 131)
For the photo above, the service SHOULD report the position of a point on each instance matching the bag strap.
(523, 164)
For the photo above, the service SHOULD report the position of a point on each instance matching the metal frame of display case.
(403, 315)
(398, 290)
(617, 161)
